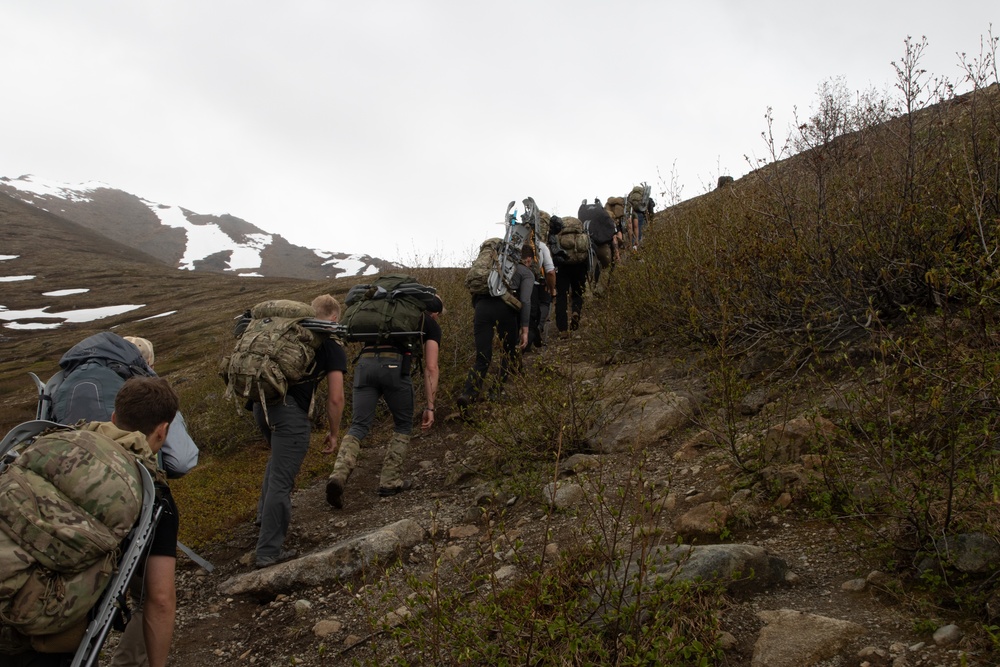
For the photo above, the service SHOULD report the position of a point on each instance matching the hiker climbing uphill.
(60, 591)
(572, 267)
(279, 392)
(396, 317)
(497, 315)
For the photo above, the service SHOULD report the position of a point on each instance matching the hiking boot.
(335, 492)
(386, 491)
(282, 556)
(347, 460)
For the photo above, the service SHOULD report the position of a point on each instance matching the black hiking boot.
(335, 493)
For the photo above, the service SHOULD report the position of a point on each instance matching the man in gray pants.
(384, 371)
(286, 428)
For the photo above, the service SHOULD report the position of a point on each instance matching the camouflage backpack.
(274, 352)
(615, 206)
(544, 220)
(477, 280)
(68, 500)
(389, 310)
(638, 198)
(573, 238)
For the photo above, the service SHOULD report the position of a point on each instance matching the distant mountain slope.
(184, 239)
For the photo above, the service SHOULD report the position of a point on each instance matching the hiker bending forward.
(493, 314)
(148, 405)
(286, 427)
(383, 370)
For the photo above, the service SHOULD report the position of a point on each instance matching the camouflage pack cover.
(274, 352)
(615, 206)
(478, 277)
(66, 504)
(574, 240)
(635, 198)
(544, 222)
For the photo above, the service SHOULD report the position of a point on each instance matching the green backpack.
(389, 310)
(574, 240)
(67, 502)
(274, 352)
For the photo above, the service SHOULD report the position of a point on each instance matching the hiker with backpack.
(406, 314)
(601, 228)
(87, 477)
(148, 405)
(497, 315)
(641, 207)
(91, 373)
(284, 423)
(544, 270)
(615, 206)
(572, 267)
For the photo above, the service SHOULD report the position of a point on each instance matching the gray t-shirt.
(522, 283)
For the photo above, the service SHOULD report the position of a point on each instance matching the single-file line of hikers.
(88, 527)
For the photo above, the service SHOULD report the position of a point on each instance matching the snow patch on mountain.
(204, 240)
(75, 193)
(352, 265)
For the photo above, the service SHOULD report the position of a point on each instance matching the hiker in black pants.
(602, 232)
(493, 314)
(571, 280)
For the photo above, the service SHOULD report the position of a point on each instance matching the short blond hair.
(326, 306)
(145, 348)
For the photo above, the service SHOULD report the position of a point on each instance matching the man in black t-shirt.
(286, 427)
(148, 405)
(383, 371)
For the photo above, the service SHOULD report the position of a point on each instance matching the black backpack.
(598, 223)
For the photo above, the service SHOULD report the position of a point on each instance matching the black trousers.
(492, 315)
(541, 300)
(571, 281)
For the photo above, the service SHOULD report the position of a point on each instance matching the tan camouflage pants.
(392, 464)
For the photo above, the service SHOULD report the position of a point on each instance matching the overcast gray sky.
(401, 129)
